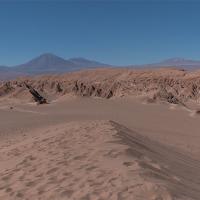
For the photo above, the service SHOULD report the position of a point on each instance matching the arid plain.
(105, 134)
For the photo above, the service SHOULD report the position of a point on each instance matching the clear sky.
(113, 32)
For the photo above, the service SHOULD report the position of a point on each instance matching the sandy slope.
(75, 161)
(95, 160)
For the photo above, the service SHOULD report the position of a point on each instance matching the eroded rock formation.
(169, 85)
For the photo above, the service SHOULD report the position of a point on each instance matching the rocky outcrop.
(6, 88)
(36, 96)
(165, 96)
(169, 85)
(95, 90)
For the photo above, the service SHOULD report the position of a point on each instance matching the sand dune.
(94, 160)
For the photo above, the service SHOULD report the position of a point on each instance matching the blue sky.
(113, 32)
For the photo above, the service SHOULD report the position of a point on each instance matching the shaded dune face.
(95, 160)
(169, 85)
(175, 169)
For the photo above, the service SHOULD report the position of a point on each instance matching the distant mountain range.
(178, 62)
(48, 64)
(52, 64)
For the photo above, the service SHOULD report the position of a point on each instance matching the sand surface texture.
(94, 160)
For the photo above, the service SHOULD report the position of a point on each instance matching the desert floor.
(87, 149)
